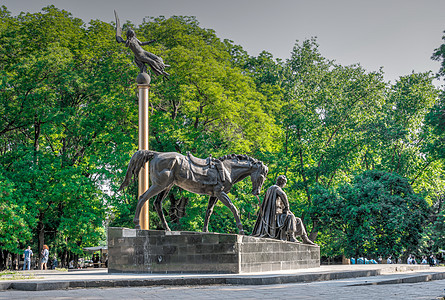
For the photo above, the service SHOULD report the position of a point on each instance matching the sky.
(398, 35)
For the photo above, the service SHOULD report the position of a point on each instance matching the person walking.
(27, 258)
(431, 261)
(45, 255)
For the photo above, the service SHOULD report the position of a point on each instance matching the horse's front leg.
(151, 192)
(212, 202)
(227, 202)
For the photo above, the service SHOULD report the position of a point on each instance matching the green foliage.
(436, 121)
(207, 105)
(13, 228)
(64, 104)
(439, 55)
(377, 214)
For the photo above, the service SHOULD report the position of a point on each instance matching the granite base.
(155, 251)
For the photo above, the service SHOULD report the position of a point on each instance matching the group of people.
(430, 260)
(28, 254)
(426, 260)
(391, 260)
(411, 260)
(362, 261)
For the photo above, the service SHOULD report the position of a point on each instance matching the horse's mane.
(242, 157)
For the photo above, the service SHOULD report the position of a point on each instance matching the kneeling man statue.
(275, 220)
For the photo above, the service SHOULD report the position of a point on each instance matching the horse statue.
(211, 176)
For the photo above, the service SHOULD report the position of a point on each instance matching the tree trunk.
(64, 259)
(40, 225)
(181, 207)
(177, 208)
(41, 232)
(36, 140)
(76, 261)
(14, 262)
(3, 259)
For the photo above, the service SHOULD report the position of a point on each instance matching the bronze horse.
(213, 177)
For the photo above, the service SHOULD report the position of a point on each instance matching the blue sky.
(398, 35)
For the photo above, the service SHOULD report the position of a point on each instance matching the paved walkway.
(395, 282)
(337, 289)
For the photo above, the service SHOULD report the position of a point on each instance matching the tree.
(208, 105)
(378, 214)
(14, 230)
(66, 114)
(433, 181)
(439, 55)
(400, 132)
(324, 121)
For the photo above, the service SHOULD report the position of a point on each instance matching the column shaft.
(143, 145)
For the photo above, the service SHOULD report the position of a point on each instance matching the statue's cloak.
(266, 224)
(275, 225)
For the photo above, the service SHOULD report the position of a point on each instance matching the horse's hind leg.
(158, 206)
(212, 202)
(151, 192)
(227, 202)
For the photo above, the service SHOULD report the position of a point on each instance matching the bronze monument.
(212, 176)
(141, 57)
(275, 220)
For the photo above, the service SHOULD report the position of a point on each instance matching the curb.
(256, 280)
(38, 285)
(409, 279)
(282, 279)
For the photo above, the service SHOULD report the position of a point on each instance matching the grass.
(7, 273)
(11, 275)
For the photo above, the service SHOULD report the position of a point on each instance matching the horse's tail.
(137, 161)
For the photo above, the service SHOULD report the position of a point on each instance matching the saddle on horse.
(206, 170)
(199, 161)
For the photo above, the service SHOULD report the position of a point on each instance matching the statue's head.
(281, 180)
(130, 33)
(258, 177)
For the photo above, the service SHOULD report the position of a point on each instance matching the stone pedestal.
(154, 251)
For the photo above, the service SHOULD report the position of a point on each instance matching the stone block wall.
(154, 251)
(263, 255)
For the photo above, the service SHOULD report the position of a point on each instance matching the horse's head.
(258, 177)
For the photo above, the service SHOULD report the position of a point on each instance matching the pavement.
(358, 275)
(334, 289)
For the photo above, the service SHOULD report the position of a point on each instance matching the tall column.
(143, 87)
